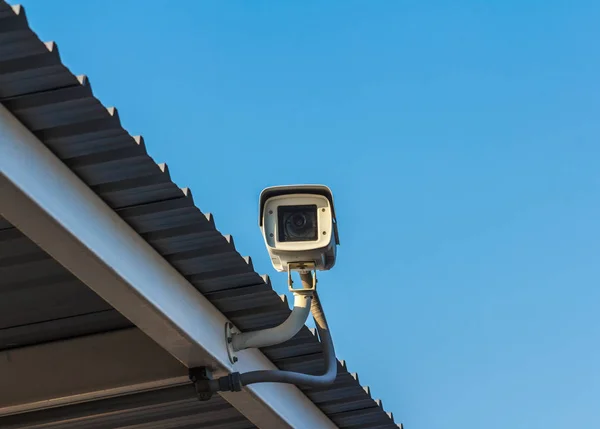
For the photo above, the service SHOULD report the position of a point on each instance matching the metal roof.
(41, 301)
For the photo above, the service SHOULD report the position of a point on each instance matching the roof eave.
(50, 204)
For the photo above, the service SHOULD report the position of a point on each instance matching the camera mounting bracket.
(303, 267)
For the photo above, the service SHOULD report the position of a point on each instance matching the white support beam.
(51, 205)
(85, 369)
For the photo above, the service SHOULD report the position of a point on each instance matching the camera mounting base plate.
(229, 331)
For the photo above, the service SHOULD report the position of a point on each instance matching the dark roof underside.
(41, 301)
(175, 407)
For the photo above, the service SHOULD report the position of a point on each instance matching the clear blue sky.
(461, 140)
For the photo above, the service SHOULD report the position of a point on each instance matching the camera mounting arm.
(235, 381)
(278, 334)
(237, 341)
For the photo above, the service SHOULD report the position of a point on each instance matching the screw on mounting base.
(229, 332)
(200, 376)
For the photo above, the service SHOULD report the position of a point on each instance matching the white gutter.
(53, 207)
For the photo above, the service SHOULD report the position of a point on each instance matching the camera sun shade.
(297, 223)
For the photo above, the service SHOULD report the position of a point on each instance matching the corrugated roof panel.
(63, 113)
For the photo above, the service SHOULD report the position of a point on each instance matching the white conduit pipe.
(278, 334)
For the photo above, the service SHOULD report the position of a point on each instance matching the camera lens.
(298, 220)
(297, 226)
(297, 223)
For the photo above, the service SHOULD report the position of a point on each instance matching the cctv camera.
(299, 226)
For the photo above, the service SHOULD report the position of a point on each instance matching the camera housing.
(299, 226)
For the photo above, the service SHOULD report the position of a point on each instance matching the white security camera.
(299, 226)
